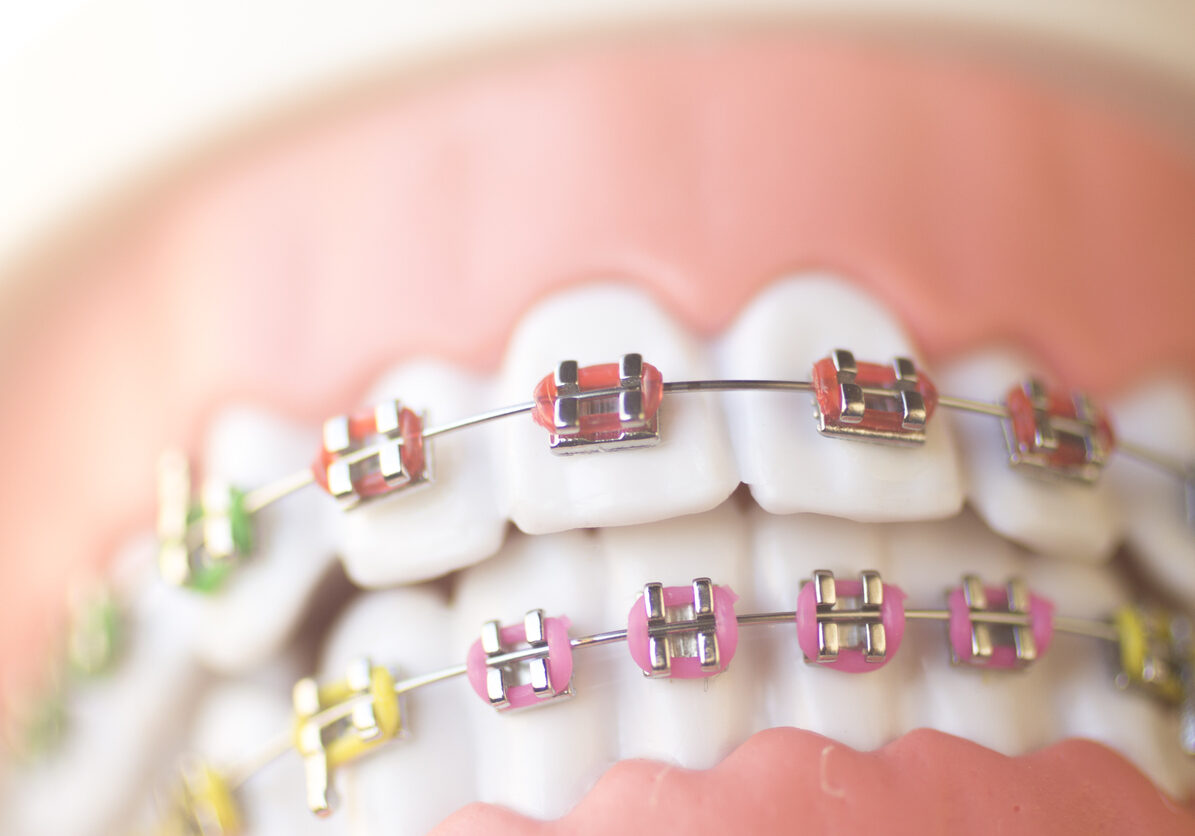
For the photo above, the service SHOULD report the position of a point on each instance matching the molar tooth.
(1160, 415)
(1055, 517)
(1003, 710)
(540, 761)
(292, 541)
(410, 784)
(435, 528)
(788, 465)
(118, 723)
(1085, 700)
(691, 470)
(690, 722)
(860, 710)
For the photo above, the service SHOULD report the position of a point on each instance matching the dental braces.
(1048, 431)
(689, 632)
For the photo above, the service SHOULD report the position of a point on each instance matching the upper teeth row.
(605, 407)
(692, 631)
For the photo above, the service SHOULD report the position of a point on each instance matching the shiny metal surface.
(502, 661)
(688, 630)
(902, 398)
(981, 633)
(626, 402)
(1023, 639)
(850, 622)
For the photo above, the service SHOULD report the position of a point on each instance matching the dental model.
(733, 206)
(848, 625)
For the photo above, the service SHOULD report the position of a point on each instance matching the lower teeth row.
(849, 625)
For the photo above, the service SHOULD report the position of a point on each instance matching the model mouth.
(611, 522)
(593, 530)
(602, 552)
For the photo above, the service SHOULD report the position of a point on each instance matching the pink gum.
(790, 781)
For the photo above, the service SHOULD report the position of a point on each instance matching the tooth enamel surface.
(1160, 415)
(541, 760)
(434, 528)
(232, 722)
(292, 541)
(407, 785)
(693, 723)
(1004, 710)
(1055, 517)
(691, 470)
(789, 466)
(118, 724)
(1086, 702)
(860, 710)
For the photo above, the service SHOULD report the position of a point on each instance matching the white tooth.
(1087, 702)
(406, 785)
(1003, 710)
(690, 722)
(1055, 517)
(118, 724)
(691, 470)
(292, 547)
(788, 465)
(232, 722)
(540, 761)
(860, 710)
(1160, 415)
(455, 521)
(279, 673)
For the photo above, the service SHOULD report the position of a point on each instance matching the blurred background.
(101, 95)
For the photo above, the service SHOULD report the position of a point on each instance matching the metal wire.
(268, 494)
(482, 418)
(967, 405)
(1146, 455)
(737, 386)
(273, 749)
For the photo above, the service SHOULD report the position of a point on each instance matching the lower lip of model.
(787, 780)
